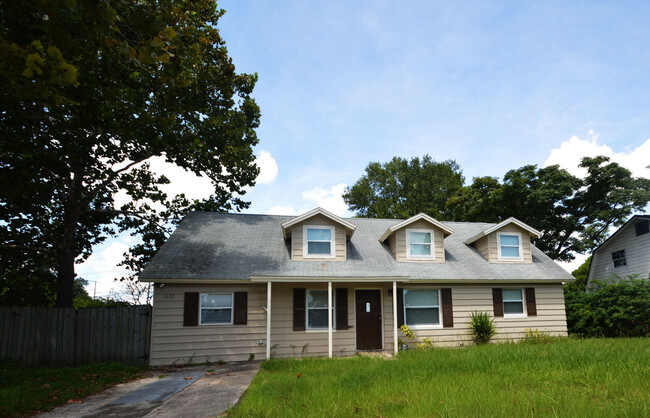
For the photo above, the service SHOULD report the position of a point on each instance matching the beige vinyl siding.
(492, 250)
(172, 342)
(482, 246)
(637, 256)
(400, 243)
(550, 318)
(339, 239)
(286, 342)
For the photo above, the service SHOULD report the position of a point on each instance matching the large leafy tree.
(402, 188)
(90, 92)
(574, 214)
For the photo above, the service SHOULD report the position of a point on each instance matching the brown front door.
(368, 304)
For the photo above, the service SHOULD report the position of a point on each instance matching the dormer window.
(420, 243)
(510, 246)
(318, 242)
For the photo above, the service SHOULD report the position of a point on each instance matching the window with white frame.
(319, 241)
(317, 309)
(421, 307)
(510, 246)
(618, 258)
(216, 309)
(513, 302)
(420, 243)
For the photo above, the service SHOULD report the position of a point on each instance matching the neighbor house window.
(642, 227)
(420, 243)
(618, 257)
(510, 246)
(421, 308)
(513, 302)
(216, 308)
(317, 309)
(319, 241)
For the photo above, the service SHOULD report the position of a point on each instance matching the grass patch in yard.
(26, 391)
(567, 377)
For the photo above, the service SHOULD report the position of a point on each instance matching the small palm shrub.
(481, 327)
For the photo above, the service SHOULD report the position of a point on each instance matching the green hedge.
(618, 308)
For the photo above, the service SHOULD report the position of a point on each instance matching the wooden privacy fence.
(59, 337)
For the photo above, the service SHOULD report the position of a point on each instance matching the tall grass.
(566, 378)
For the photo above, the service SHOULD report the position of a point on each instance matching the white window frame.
(521, 247)
(305, 242)
(432, 256)
(624, 258)
(423, 326)
(232, 308)
(307, 308)
(523, 303)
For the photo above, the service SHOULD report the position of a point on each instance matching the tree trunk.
(65, 279)
(67, 247)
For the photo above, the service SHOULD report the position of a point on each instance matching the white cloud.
(282, 210)
(198, 187)
(268, 168)
(331, 200)
(569, 154)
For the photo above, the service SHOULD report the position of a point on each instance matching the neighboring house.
(626, 252)
(228, 286)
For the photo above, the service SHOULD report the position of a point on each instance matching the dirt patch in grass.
(26, 391)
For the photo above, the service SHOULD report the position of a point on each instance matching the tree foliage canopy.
(573, 214)
(90, 91)
(401, 188)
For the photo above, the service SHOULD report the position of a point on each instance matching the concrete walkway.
(188, 392)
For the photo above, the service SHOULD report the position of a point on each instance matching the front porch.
(330, 318)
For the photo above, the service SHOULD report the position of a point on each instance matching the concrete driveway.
(197, 391)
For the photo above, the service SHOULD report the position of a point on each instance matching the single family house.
(233, 286)
(625, 253)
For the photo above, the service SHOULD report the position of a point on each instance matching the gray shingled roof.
(238, 246)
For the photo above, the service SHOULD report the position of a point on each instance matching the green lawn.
(26, 391)
(567, 377)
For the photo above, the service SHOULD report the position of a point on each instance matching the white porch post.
(395, 316)
(329, 318)
(268, 320)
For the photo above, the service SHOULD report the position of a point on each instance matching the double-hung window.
(618, 258)
(216, 308)
(421, 307)
(419, 243)
(510, 246)
(513, 302)
(318, 242)
(317, 309)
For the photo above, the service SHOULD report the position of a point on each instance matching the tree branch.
(127, 213)
(113, 174)
(30, 248)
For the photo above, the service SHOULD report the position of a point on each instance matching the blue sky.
(492, 85)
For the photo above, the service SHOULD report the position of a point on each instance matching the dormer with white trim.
(318, 235)
(419, 239)
(506, 242)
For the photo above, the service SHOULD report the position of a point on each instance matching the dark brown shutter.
(447, 309)
(342, 308)
(191, 309)
(531, 304)
(299, 309)
(400, 307)
(240, 315)
(497, 301)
